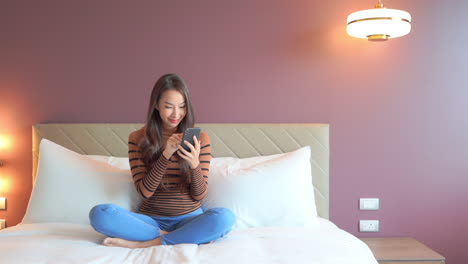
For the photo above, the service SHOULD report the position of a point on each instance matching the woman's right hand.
(172, 145)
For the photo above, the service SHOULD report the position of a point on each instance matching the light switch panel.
(2, 203)
(369, 204)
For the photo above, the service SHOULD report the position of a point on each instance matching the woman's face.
(172, 108)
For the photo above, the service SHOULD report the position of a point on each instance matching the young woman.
(171, 180)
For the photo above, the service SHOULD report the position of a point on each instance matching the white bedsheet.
(75, 243)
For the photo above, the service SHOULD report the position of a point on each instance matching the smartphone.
(188, 135)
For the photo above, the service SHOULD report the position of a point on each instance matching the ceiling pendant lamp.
(379, 23)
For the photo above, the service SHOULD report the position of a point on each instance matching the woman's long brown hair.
(152, 145)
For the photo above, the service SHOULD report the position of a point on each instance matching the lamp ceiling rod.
(379, 4)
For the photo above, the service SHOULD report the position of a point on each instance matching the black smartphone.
(188, 135)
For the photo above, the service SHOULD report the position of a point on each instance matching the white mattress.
(75, 243)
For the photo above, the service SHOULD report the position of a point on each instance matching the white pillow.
(69, 184)
(261, 191)
(119, 162)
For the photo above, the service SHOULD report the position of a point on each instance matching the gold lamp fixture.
(379, 23)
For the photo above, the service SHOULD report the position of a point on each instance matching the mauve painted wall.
(397, 109)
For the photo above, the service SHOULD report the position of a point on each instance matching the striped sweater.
(171, 201)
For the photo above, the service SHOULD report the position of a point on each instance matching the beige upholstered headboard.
(227, 140)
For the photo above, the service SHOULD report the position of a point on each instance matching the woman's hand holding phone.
(172, 145)
(191, 156)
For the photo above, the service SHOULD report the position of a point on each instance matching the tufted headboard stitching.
(227, 140)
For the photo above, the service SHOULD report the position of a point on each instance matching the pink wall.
(397, 109)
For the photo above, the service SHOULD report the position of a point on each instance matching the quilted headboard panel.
(227, 140)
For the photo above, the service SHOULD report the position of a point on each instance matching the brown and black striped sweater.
(171, 201)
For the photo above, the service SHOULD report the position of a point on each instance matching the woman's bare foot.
(119, 242)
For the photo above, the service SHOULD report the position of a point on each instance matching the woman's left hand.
(191, 156)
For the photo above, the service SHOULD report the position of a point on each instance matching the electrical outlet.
(2, 223)
(369, 204)
(368, 225)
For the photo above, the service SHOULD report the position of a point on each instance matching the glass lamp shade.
(4, 142)
(379, 24)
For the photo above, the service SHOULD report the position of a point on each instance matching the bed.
(81, 165)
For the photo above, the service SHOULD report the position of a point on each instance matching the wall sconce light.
(379, 24)
(2, 199)
(4, 143)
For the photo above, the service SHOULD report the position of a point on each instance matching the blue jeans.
(197, 227)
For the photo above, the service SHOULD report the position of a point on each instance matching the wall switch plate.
(369, 204)
(2, 223)
(2, 203)
(368, 225)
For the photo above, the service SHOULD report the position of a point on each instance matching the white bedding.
(77, 243)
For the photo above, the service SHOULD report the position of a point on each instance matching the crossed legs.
(131, 230)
